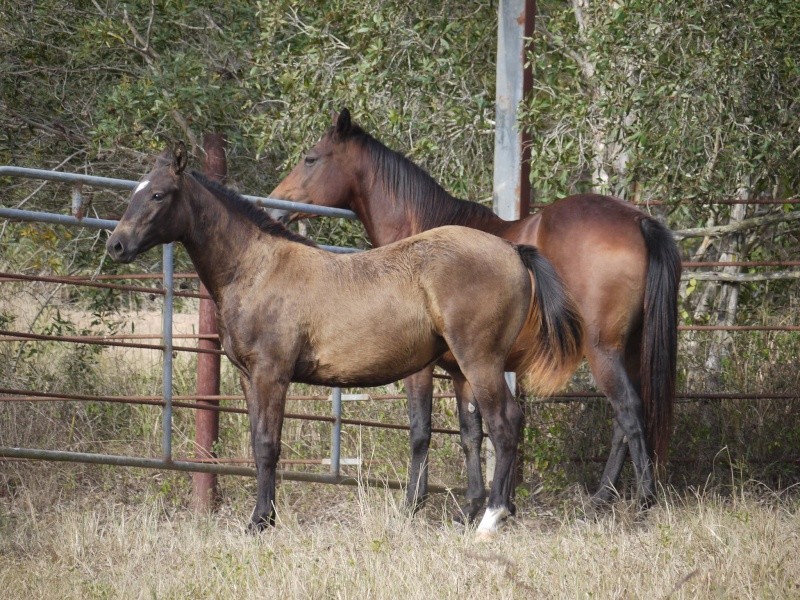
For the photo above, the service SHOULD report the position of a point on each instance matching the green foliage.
(121, 79)
(677, 100)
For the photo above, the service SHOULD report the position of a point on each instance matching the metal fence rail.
(167, 347)
(168, 402)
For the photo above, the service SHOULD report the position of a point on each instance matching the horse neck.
(389, 214)
(385, 221)
(220, 241)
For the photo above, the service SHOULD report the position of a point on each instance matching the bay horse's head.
(156, 212)
(326, 174)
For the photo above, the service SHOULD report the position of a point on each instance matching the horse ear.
(179, 158)
(343, 123)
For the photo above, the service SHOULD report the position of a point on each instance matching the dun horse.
(621, 266)
(289, 311)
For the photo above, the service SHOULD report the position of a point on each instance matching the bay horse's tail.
(660, 335)
(556, 348)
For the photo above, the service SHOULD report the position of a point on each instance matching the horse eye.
(310, 160)
(158, 196)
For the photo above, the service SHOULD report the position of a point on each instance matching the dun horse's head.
(155, 214)
(324, 175)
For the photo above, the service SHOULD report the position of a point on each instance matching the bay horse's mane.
(430, 203)
(260, 218)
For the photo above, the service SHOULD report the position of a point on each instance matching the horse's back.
(462, 257)
(475, 283)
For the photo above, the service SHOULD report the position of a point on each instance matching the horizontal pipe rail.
(92, 223)
(31, 396)
(129, 184)
(127, 336)
(113, 340)
(98, 276)
(58, 176)
(730, 201)
(13, 395)
(204, 467)
(194, 336)
(55, 219)
(156, 291)
(345, 462)
(126, 184)
(739, 328)
(692, 264)
(86, 282)
(39, 337)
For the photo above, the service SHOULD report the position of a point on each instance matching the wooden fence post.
(206, 495)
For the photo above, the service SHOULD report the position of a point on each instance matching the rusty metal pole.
(204, 485)
(511, 192)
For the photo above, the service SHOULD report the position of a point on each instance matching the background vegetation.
(681, 105)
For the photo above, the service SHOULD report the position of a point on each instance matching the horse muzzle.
(280, 215)
(120, 249)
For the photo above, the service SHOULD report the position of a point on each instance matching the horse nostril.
(116, 248)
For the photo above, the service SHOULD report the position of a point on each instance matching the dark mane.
(430, 204)
(249, 210)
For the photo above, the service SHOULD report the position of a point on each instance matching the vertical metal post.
(206, 431)
(166, 329)
(511, 194)
(512, 189)
(336, 430)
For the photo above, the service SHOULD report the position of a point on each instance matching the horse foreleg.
(266, 399)
(419, 388)
(471, 425)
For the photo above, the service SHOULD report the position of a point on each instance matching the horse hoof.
(469, 512)
(257, 525)
(484, 535)
(414, 505)
(604, 497)
(253, 528)
(492, 520)
(646, 503)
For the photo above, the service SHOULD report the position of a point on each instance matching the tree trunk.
(727, 294)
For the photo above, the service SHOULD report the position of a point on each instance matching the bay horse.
(621, 266)
(290, 311)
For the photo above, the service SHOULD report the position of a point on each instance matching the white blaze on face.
(141, 186)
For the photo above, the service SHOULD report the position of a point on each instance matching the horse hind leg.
(504, 419)
(613, 379)
(609, 481)
(419, 388)
(471, 426)
(484, 384)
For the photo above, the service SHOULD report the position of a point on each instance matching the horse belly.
(376, 353)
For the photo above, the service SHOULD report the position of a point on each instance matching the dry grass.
(339, 543)
(71, 531)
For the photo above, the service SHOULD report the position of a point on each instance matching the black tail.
(660, 335)
(550, 363)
